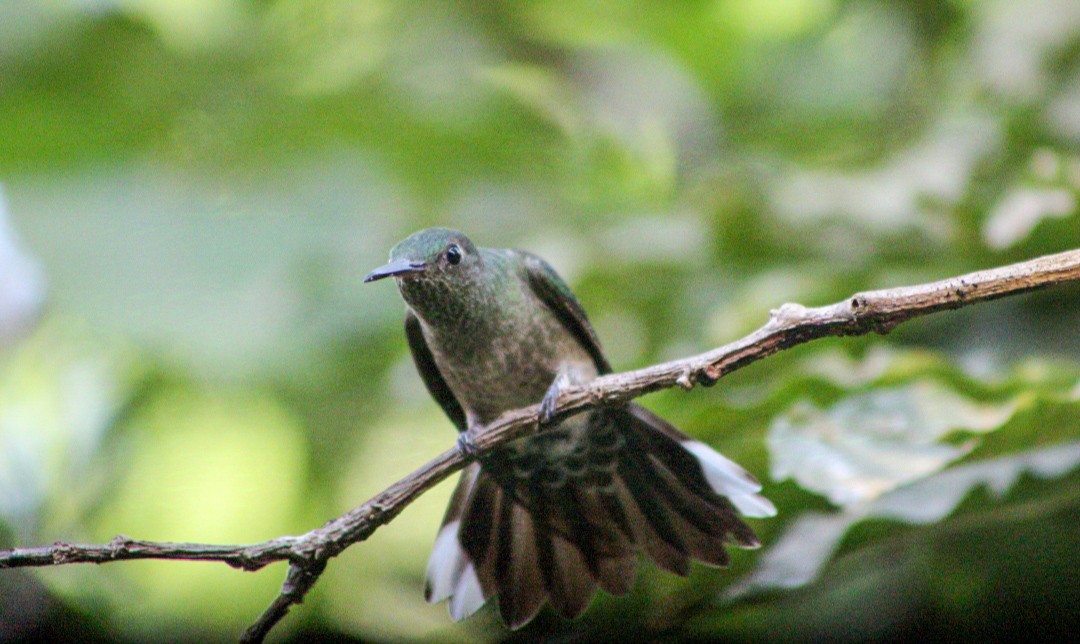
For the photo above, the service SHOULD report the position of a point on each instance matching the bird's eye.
(453, 254)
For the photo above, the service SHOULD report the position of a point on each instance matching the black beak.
(399, 267)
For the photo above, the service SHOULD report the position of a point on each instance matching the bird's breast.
(508, 362)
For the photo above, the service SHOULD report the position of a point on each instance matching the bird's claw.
(547, 407)
(551, 399)
(466, 446)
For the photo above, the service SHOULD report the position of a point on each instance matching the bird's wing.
(557, 296)
(429, 372)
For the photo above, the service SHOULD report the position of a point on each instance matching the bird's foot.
(466, 445)
(551, 399)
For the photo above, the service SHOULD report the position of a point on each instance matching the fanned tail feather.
(530, 538)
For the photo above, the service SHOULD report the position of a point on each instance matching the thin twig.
(789, 325)
(299, 580)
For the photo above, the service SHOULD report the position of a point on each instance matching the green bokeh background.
(204, 183)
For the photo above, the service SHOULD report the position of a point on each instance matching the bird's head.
(432, 253)
(431, 264)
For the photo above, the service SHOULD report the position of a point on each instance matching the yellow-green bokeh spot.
(775, 18)
(216, 467)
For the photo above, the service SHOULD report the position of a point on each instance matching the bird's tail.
(553, 521)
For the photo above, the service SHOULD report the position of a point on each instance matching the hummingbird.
(549, 517)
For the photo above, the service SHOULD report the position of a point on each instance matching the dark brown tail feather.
(519, 580)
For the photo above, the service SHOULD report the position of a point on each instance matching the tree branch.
(789, 325)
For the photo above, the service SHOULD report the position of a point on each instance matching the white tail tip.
(729, 479)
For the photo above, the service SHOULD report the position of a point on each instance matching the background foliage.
(193, 190)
